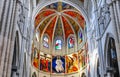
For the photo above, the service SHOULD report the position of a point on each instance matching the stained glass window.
(45, 42)
(71, 42)
(58, 44)
(80, 35)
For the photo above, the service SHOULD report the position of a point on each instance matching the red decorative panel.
(67, 28)
(76, 16)
(50, 28)
(42, 15)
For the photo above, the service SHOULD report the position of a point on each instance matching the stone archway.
(15, 58)
(111, 59)
(83, 75)
(34, 75)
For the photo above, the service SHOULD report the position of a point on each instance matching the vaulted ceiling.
(59, 19)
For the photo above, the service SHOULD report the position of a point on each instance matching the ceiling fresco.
(59, 19)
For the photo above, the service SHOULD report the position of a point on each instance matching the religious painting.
(36, 57)
(45, 62)
(71, 42)
(72, 63)
(45, 42)
(58, 64)
(58, 44)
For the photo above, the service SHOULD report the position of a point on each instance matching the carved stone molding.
(104, 18)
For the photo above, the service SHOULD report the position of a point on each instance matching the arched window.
(80, 37)
(83, 75)
(37, 36)
(34, 75)
(58, 44)
(46, 42)
(71, 42)
(112, 57)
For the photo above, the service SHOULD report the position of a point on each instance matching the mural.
(72, 63)
(58, 64)
(71, 42)
(36, 57)
(45, 62)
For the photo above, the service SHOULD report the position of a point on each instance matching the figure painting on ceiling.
(72, 63)
(45, 62)
(58, 64)
(36, 58)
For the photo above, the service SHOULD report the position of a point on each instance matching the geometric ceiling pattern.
(59, 19)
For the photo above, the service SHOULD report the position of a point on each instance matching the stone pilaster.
(4, 38)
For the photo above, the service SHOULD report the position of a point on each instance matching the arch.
(108, 35)
(83, 75)
(45, 3)
(106, 40)
(83, 12)
(46, 41)
(111, 56)
(59, 41)
(72, 38)
(15, 57)
(98, 68)
(34, 74)
(80, 45)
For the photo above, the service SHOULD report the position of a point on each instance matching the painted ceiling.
(59, 19)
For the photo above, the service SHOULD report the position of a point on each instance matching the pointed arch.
(15, 58)
(110, 56)
(46, 41)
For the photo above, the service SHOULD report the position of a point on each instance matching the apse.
(59, 39)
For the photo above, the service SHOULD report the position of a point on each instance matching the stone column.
(116, 8)
(100, 22)
(118, 12)
(12, 36)
(7, 32)
(4, 37)
(2, 4)
(115, 28)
